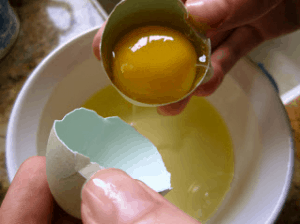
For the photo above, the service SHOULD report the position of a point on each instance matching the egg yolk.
(154, 65)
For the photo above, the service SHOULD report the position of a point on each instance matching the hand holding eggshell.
(84, 142)
(156, 57)
(29, 200)
(234, 29)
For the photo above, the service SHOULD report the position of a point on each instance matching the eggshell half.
(82, 140)
(130, 14)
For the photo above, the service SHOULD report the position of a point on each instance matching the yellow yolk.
(154, 65)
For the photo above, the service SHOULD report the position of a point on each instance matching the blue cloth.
(8, 24)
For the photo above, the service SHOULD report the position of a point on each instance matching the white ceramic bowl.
(248, 102)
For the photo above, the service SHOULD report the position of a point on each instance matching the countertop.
(46, 24)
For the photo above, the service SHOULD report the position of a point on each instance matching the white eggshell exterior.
(63, 174)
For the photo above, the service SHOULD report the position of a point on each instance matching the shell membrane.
(131, 14)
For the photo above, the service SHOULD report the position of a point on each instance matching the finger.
(238, 44)
(284, 20)
(111, 196)
(97, 41)
(228, 14)
(218, 38)
(173, 109)
(211, 86)
(28, 199)
(210, 12)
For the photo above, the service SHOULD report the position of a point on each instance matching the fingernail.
(108, 195)
(96, 205)
(207, 13)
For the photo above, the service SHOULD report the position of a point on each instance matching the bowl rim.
(291, 164)
(290, 170)
(19, 103)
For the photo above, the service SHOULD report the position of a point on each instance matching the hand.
(29, 200)
(235, 28)
(110, 196)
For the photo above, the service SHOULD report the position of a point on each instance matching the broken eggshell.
(84, 142)
(131, 14)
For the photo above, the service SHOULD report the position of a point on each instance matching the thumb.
(111, 196)
(224, 14)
